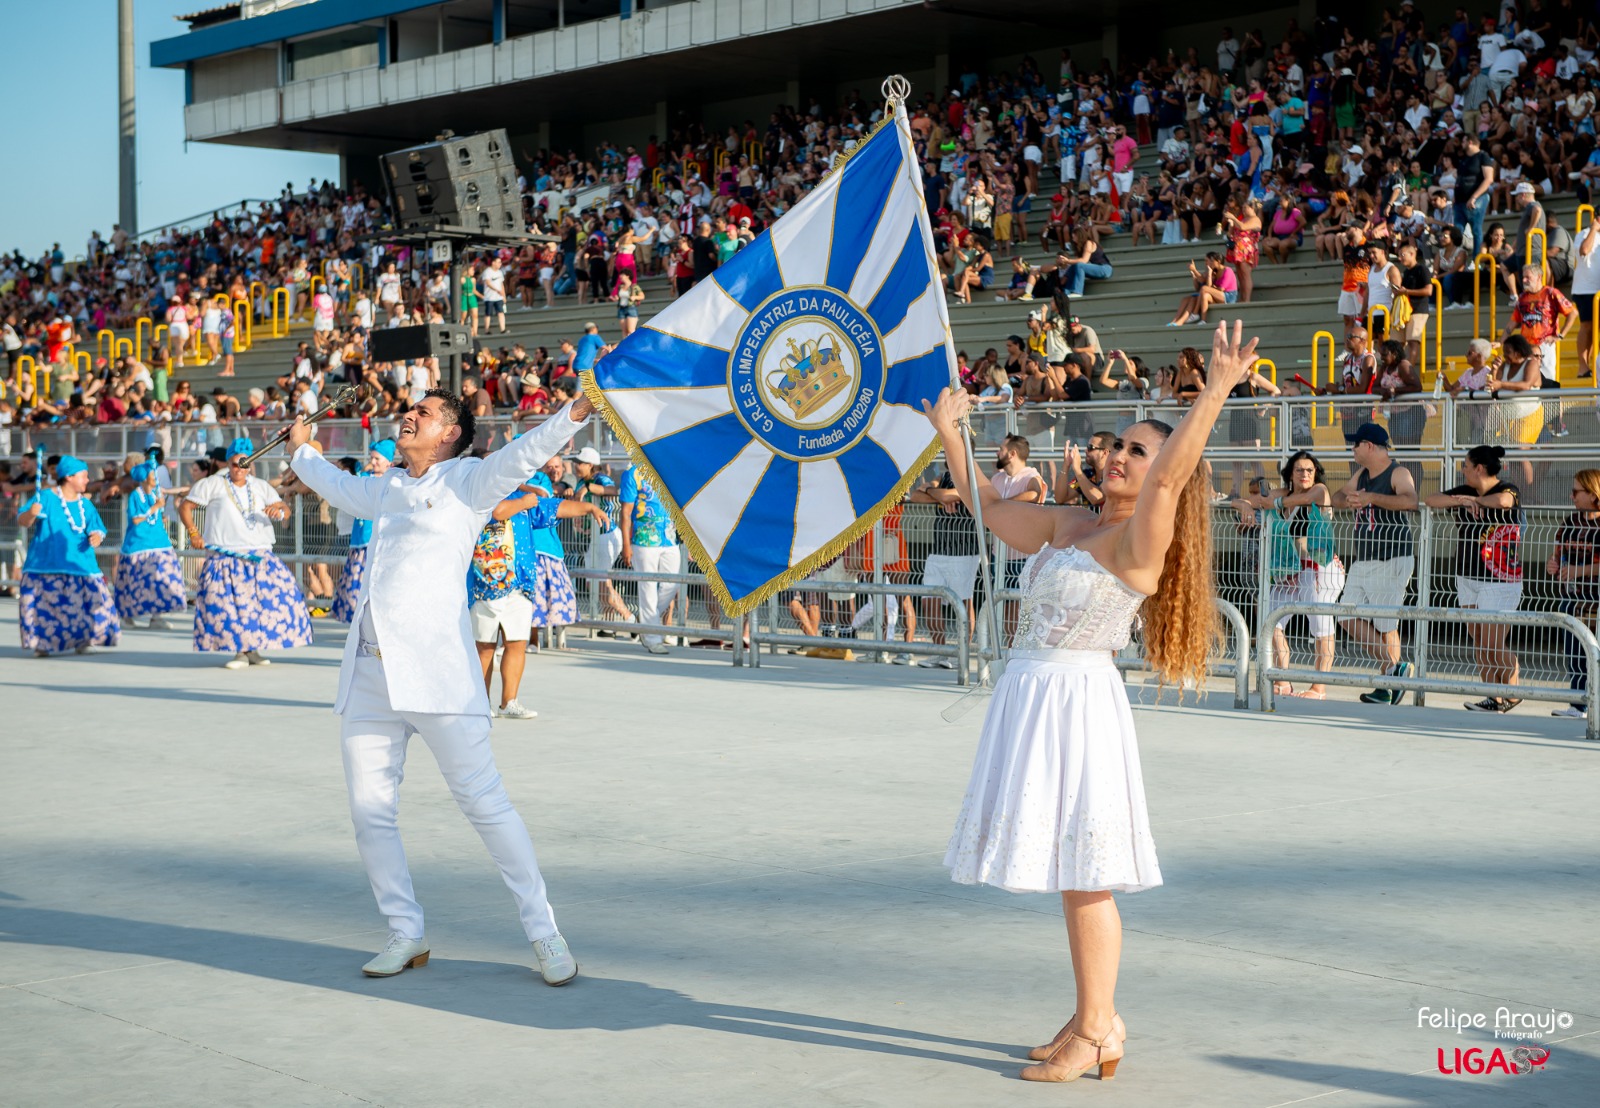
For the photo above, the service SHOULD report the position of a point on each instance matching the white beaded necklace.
(248, 508)
(82, 523)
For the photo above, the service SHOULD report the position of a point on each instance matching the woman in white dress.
(1056, 799)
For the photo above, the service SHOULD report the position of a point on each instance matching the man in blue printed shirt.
(498, 585)
(649, 545)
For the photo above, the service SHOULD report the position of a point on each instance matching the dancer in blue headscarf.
(379, 459)
(247, 600)
(149, 578)
(66, 603)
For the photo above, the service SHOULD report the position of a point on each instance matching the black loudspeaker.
(406, 344)
(468, 183)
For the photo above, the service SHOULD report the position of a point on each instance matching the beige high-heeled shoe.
(1048, 1070)
(1040, 1053)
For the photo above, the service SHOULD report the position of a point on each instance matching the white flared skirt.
(1056, 799)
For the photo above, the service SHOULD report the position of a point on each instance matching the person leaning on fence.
(1575, 565)
(953, 562)
(1303, 564)
(1488, 564)
(1383, 553)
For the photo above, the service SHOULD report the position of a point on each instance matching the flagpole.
(895, 90)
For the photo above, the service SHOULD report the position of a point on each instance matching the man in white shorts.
(953, 563)
(1381, 493)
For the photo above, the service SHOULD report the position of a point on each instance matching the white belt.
(1074, 658)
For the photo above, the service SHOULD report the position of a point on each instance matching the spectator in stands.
(469, 299)
(627, 296)
(1488, 566)
(1358, 262)
(1213, 285)
(1574, 564)
(1383, 556)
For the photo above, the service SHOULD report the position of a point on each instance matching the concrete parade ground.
(747, 866)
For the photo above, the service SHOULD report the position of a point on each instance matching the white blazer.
(423, 533)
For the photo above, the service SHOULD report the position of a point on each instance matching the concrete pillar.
(544, 135)
(941, 74)
(791, 96)
(1108, 44)
(663, 121)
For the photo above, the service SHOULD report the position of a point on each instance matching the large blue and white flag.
(778, 405)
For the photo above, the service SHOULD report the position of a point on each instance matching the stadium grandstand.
(1099, 185)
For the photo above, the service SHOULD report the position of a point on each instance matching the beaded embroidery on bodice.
(1072, 602)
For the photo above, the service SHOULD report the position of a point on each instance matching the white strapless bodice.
(1072, 602)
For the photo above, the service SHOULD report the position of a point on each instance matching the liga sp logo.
(1476, 1062)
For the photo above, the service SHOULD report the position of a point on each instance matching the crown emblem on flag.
(813, 374)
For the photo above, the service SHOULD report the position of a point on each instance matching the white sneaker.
(400, 954)
(159, 623)
(514, 710)
(256, 659)
(85, 648)
(901, 660)
(556, 964)
(238, 661)
(1569, 712)
(657, 648)
(936, 663)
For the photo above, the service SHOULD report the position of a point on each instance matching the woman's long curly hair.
(1181, 626)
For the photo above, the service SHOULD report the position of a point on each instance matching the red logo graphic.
(1476, 1062)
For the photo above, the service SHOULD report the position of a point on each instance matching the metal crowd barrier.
(960, 650)
(1422, 682)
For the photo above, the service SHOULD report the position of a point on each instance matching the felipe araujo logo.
(806, 373)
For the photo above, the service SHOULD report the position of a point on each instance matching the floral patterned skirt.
(62, 611)
(149, 583)
(248, 604)
(344, 597)
(554, 602)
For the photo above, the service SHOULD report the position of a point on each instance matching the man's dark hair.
(1083, 361)
(454, 411)
(1021, 445)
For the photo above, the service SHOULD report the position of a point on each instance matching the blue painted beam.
(499, 8)
(241, 34)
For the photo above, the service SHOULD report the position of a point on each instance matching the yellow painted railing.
(123, 347)
(1477, 293)
(243, 325)
(105, 344)
(311, 303)
(280, 312)
(1577, 222)
(158, 339)
(1544, 251)
(139, 326)
(1316, 378)
(1372, 320)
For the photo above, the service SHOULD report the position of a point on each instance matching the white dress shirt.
(414, 595)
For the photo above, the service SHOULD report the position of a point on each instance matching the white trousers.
(374, 738)
(654, 598)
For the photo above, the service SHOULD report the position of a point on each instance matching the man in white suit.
(410, 666)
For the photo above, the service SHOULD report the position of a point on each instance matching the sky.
(61, 113)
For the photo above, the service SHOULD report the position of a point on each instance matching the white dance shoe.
(256, 659)
(401, 954)
(556, 964)
(238, 661)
